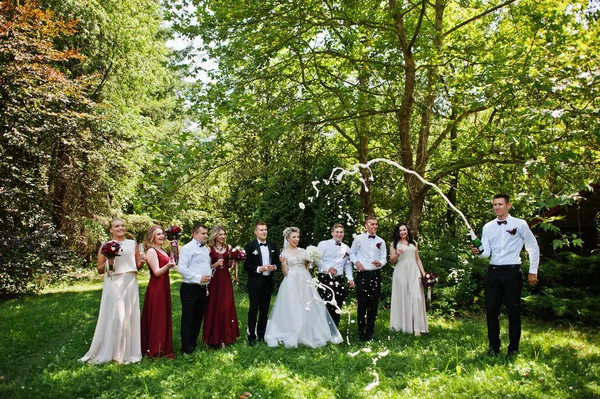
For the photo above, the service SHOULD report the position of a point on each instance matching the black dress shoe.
(491, 352)
(251, 341)
(512, 354)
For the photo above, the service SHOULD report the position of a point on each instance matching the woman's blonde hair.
(289, 230)
(149, 241)
(216, 230)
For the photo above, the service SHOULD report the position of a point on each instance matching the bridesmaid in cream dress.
(117, 335)
(407, 312)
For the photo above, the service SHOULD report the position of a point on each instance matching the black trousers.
(260, 299)
(368, 289)
(193, 302)
(503, 286)
(336, 283)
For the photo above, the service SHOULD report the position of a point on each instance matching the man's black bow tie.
(371, 236)
(500, 222)
(263, 244)
(338, 243)
(200, 244)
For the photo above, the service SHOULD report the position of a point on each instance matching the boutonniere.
(347, 254)
(378, 245)
(255, 252)
(512, 232)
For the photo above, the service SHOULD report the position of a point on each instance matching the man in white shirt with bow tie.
(194, 267)
(332, 266)
(369, 254)
(503, 239)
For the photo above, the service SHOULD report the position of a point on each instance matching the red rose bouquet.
(173, 234)
(428, 281)
(238, 254)
(110, 250)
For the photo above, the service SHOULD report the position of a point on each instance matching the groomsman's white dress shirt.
(337, 256)
(367, 250)
(194, 262)
(505, 247)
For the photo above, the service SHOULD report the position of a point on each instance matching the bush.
(32, 258)
(569, 291)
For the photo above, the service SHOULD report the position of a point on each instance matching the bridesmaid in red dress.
(157, 340)
(220, 319)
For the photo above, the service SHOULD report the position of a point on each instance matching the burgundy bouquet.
(110, 250)
(238, 254)
(428, 281)
(173, 234)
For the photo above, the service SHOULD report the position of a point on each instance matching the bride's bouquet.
(313, 254)
(110, 250)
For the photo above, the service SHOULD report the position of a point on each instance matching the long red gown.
(220, 318)
(156, 331)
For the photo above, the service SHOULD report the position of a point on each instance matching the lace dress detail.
(299, 315)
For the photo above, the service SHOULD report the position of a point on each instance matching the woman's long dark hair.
(396, 236)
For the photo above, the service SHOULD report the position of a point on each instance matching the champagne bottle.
(476, 241)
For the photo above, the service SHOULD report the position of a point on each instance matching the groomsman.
(369, 254)
(194, 267)
(503, 239)
(333, 264)
(262, 259)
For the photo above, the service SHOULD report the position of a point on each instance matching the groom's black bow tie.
(262, 244)
(200, 244)
(338, 243)
(371, 235)
(500, 222)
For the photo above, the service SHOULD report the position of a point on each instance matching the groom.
(262, 259)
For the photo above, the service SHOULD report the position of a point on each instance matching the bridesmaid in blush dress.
(157, 337)
(220, 320)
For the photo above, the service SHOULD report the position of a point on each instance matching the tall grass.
(42, 337)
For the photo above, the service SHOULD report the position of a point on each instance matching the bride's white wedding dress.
(299, 316)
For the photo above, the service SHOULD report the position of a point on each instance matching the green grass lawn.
(42, 337)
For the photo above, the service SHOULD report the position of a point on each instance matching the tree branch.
(418, 27)
(476, 17)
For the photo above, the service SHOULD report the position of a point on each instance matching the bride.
(299, 316)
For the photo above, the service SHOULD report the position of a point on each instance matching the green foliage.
(461, 276)
(83, 86)
(47, 148)
(447, 89)
(569, 290)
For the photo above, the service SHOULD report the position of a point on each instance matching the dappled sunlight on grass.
(43, 337)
